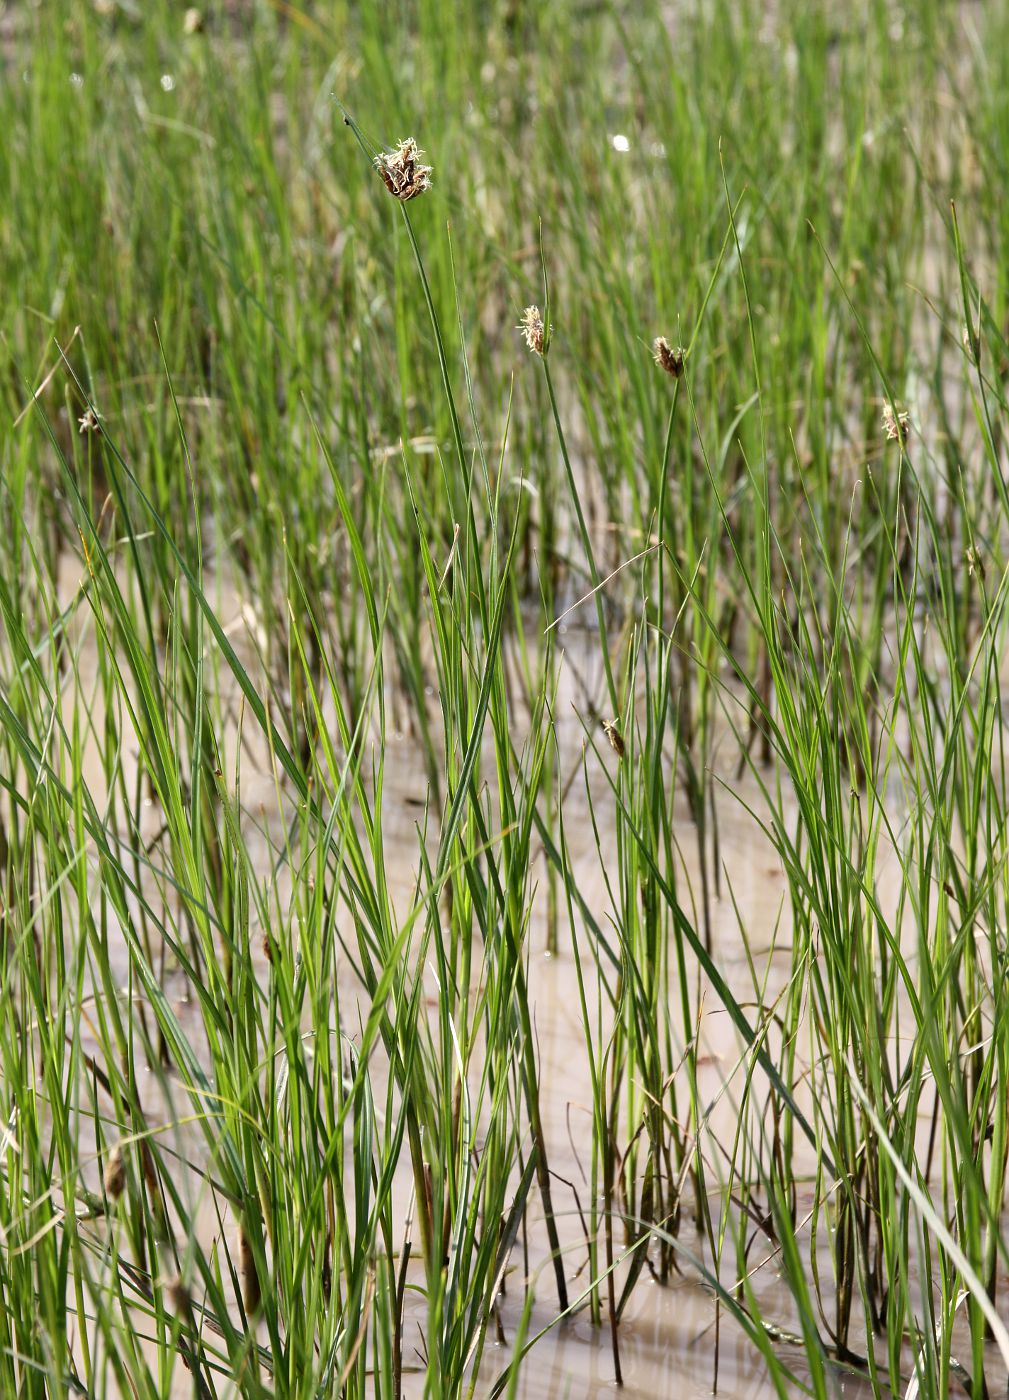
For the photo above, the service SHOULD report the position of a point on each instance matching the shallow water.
(667, 1338)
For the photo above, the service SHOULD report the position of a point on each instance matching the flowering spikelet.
(532, 328)
(401, 169)
(895, 425)
(668, 357)
(88, 422)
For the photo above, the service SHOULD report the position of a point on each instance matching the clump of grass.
(350, 657)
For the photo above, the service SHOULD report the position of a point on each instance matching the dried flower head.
(895, 425)
(401, 169)
(115, 1173)
(192, 22)
(88, 422)
(533, 329)
(151, 1179)
(251, 1291)
(615, 737)
(178, 1293)
(668, 357)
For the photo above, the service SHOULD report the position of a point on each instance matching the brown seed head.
(668, 357)
(404, 175)
(533, 329)
(615, 737)
(252, 1294)
(895, 425)
(151, 1180)
(178, 1294)
(115, 1173)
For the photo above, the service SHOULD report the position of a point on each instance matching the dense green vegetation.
(290, 510)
